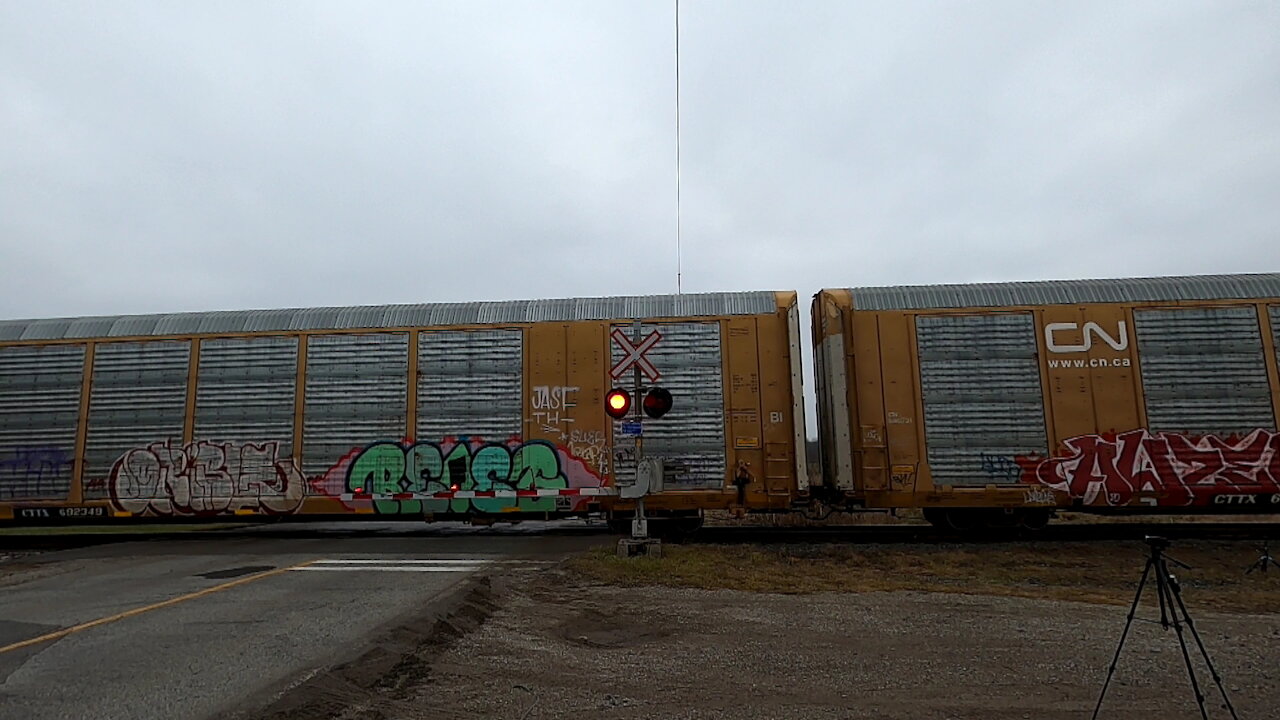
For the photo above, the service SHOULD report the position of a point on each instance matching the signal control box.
(649, 472)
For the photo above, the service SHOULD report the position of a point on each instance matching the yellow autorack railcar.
(474, 410)
(998, 403)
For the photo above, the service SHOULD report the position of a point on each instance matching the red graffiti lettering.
(1169, 468)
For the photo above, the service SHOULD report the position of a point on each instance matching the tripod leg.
(1162, 573)
(1166, 584)
(1133, 609)
(1213, 671)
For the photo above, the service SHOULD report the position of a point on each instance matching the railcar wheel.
(674, 528)
(1035, 520)
(1000, 519)
(678, 529)
(965, 520)
(936, 517)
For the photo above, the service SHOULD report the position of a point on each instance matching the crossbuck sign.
(634, 354)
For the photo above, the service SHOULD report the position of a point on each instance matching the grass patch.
(722, 518)
(913, 516)
(1102, 572)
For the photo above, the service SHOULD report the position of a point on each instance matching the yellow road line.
(148, 608)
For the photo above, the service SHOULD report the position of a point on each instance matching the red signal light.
(617, 403)
(657, 403)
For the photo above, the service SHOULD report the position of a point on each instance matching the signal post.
(656, 403)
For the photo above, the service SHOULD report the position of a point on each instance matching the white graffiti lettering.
(590, 446)
(551, 404)
(1039, 496)
(205, 478)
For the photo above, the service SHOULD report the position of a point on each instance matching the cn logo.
(1091, 329)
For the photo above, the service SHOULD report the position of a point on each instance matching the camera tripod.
(1172, 613)
(1264, 562)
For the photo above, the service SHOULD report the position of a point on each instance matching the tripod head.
(1158, 545)
(1264, 562)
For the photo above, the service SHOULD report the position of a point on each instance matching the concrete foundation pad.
(648, 547)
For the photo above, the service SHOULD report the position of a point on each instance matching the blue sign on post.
(632, 429)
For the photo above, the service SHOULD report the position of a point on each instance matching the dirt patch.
(11, 558)
(644, 639)
(16, 565)
(607, 628)
(375, 685)
(734, 654)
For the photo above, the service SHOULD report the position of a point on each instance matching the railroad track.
(866, 534)
(890, 534)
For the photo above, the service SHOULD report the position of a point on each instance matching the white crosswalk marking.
(391, 568)
(397, 561)
(408, 564)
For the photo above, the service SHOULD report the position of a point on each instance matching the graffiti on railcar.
(591, 447)
(37, 469)
(205, 478)
(458, 465)
(551, 406)
(551, 411)
(1001, 468)
(1173, 468)
(1039, 496)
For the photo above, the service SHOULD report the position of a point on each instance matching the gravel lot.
(554, 649)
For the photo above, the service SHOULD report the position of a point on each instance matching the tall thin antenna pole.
(679, 268)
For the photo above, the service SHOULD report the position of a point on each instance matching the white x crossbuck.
(635, 354)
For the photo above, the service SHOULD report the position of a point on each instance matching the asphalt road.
(205, 625)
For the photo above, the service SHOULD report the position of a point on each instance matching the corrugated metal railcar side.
(1145, 394)
(435, 410)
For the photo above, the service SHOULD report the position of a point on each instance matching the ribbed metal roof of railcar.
(380, 316)
(1068, 292)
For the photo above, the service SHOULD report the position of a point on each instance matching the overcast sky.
(162, 156)
(189, 156)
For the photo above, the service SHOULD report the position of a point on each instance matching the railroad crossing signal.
(635, 354)
(657, 403)
(617, 403)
